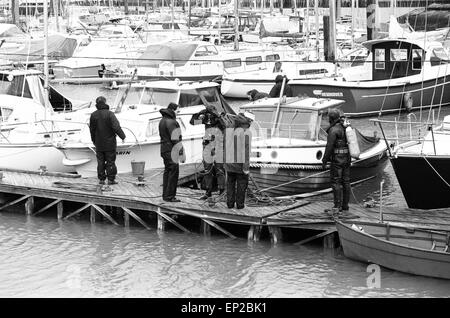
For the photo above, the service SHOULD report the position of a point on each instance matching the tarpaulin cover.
(9, 30)
(59, 47)
(279, 27)
(176, 53)
(365, 142)
(434, 17)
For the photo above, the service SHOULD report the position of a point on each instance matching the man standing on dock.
(212, 149)
(237, 157)
(338, 153)
(104, 127)
(171, 151)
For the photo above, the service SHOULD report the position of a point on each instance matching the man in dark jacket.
(338, 153)
(171, 150)
(104, 127)
(212, 149)
(237, 158)
(255, 95)
(276, 89)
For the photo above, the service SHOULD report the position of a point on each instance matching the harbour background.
(41, 257)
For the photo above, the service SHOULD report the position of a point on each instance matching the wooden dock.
(68, 196)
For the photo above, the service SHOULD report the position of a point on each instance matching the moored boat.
(398, 74)
(429, 158)
(409, 250)
(289, 142)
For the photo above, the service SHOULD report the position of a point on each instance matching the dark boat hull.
(403, 255)
(365, 101)
(424, 180)
(288, 182)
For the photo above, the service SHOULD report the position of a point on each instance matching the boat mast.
(173, 15)
(316, 12)
(220, 22)
(236, 25)
(353, 23)
(333, 33)
(45, 57)
(306, 26)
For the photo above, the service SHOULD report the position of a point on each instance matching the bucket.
(137, 167)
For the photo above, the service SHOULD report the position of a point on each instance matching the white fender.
(352, 142)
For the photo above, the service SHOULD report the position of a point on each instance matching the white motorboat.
(198, 60)
(140, 120)
(288, 144)
(236, 85)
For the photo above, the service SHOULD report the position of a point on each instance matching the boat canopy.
(435, 16)
(9, 30)
(59, 47)
(176, 53)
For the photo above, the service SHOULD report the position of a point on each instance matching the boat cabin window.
(206, 51)
(380, 59)
(399, 55)
(151, 96)
(190, 98)
(251, 60)
(152, 128)
(272, 57)
(439, 57)
(417, 59)
(232, 63)
(14, 85)
(210, 96)
(5, 113)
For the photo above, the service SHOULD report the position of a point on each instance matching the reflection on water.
(41, 257)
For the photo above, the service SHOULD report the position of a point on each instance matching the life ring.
(407, 102)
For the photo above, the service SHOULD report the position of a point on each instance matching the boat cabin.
(161, 93)
(297, 118)
(30, 84)
(396, 58)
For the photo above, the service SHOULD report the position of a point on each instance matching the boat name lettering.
(200, 63)
(123, 152)
(319, 92)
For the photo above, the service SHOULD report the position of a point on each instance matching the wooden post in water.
(329, 241)
(29, 206)
(316, 13)
(254, 233)
(161, 222)
(275, 234)
(205, 228)
(59, 210)
(92, 216)
(126, 218)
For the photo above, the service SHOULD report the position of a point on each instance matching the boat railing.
(407, 131)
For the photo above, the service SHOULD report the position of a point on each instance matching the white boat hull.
(83, 159)
(32, 157)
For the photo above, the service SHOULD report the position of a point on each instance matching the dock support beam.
(136, 217)
(48, 206)
(254, 233)
(29, 206)
(275, 234)
(15, 201)
(60, 210)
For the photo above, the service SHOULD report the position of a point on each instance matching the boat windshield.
(292, 123)
(150, 96)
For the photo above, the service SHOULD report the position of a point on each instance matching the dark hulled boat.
(398, 74)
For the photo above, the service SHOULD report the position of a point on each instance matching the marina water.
(44, 257)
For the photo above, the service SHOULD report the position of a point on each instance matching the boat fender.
(352, 141)
(407, 102)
